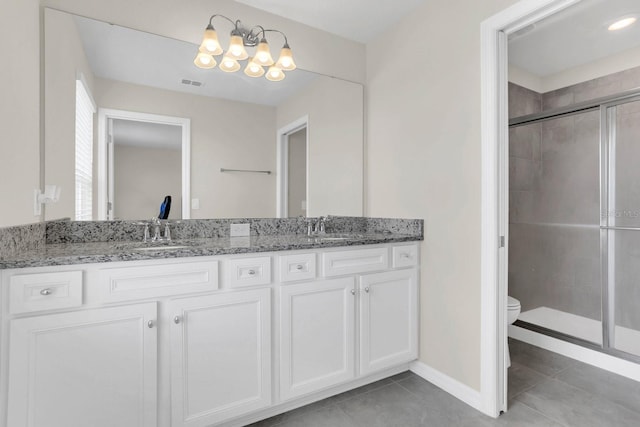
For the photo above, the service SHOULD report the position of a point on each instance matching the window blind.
(85, 110)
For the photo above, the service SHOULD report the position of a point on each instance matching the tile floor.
(545, 389)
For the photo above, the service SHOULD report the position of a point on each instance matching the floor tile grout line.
(547, 416)
(604, 397)
(593, 395)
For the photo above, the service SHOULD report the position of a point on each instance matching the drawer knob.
(405, 255)
(150, 324)
(299, 267)
(176, 320)
(46, 292)
(251, 272)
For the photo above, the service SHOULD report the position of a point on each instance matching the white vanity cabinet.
(388, 319)
(85, 368)
(322, 322)
(317, 335)
(220, 356)
(202, 341)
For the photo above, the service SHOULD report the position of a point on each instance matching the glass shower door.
(622, 224)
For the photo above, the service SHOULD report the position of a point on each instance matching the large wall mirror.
(129, 120)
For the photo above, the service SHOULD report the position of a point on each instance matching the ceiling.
(357, 20)
(573, 37)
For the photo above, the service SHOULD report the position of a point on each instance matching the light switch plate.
(195, 204)
(239, 230)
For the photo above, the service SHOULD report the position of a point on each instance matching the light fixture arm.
(222, 16)
(286, 41)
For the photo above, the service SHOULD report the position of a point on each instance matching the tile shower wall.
(554, 252)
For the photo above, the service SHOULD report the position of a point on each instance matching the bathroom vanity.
(206, 332)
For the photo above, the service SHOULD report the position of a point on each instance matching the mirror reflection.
(130, 120)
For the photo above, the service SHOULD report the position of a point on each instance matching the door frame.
(495, 194)
(282, 167)
(104, 186)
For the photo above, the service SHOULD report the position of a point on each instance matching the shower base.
(627, 340)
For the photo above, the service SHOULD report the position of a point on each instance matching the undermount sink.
(160, 248)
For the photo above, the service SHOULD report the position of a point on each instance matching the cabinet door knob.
(353, 291)
(46, 291)
(299, 267)
(251, 272)
(366, 289)
(150, 324)
(176, 320)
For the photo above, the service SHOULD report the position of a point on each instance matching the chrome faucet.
(157, 235)
(316, 228)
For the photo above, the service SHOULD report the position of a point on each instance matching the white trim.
(493, 131)
(282, 166)
(586, 355)
(452, 386)
(104, 114)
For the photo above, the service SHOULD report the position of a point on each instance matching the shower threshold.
(583, 328)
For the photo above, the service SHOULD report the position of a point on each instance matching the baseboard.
(586, 355)
(452, 386)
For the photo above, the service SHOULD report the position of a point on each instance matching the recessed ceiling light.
(622, 23)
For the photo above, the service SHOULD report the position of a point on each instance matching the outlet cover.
(239, 230)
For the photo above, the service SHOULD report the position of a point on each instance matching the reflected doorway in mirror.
(142, 158)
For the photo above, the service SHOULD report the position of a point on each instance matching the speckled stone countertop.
(100, 252)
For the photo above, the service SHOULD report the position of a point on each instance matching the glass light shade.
(236, 48)
(285, 62)
(263, 54)
(275, 74)
(253, 69)
(204, 60)
(210, 43)
(229, 64)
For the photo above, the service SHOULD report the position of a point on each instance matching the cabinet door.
(317, 339)
(88, 368)
(388, 319)
(221, 356)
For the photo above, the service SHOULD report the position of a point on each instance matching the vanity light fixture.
(240, 39)
(622, 23)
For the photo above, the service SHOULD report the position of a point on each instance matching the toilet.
(513, 311)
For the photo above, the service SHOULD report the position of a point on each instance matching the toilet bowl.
(513, 311)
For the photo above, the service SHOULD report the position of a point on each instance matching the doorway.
(141, 159)
(293, 169)
(519, 18)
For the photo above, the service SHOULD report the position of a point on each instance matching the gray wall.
(554, 237)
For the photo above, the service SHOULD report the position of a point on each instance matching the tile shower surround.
(554, 256)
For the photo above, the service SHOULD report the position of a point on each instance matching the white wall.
(19, 111)
(335, 143)
(224, 134)
(65, 57)
(423, 141)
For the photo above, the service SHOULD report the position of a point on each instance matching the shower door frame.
(607, 139)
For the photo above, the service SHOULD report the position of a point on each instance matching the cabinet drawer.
(149, 281)
(248, 271)
(297, 267)
(354, 261)
(405, 256)
(45, 291)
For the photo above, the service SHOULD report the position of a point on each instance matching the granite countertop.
(99, 252)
